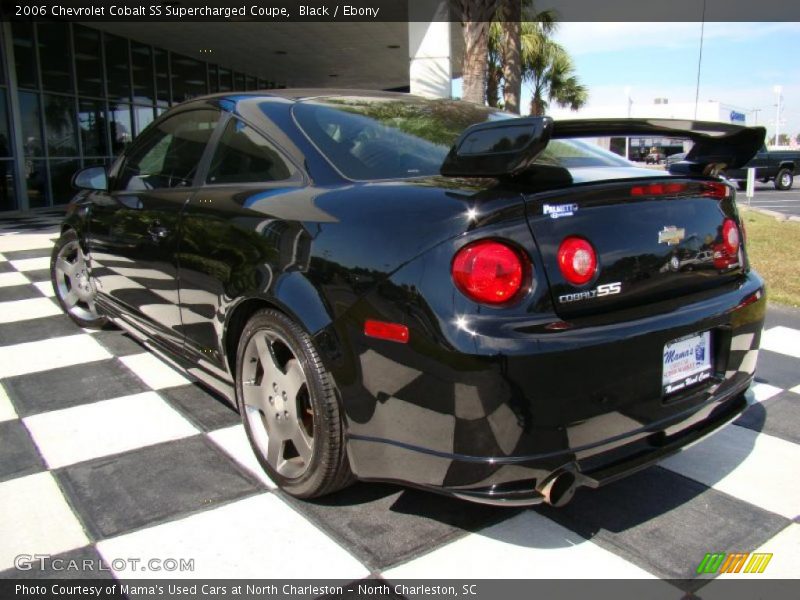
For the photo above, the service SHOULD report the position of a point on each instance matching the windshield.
(368, 138)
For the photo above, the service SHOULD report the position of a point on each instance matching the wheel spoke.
(71, 299)
(293, 379)
(275, 452)
(65, 267)
(266, 353)
(254, 396)
(302, 443)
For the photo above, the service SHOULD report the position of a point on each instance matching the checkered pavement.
(106, 452)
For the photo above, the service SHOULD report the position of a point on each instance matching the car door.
(239, 232)
(134, 229)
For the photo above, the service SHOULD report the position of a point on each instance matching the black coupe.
(427, 291)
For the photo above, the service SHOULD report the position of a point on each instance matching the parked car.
(423, 291)
(673, 158)
(778, 166)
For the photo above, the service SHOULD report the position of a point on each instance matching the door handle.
(157, 231)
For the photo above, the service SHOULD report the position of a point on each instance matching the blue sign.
(737, 117)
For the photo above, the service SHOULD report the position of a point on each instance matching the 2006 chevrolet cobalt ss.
(427, 291)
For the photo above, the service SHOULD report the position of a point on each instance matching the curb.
(770, 213)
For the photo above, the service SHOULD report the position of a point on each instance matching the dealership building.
(76, 94)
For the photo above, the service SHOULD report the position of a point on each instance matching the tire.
(289, 407)
(742, 185)
(73, 286)
(784, 179)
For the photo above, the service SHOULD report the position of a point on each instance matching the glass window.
(238, 82)
(24, 54)
(8, 197)
(31, 124)
(5, 135)
(55, 56)
(188, 78)
(225, 80)
(262, 84)
(117, 72)
(121, 129)
(59, 121)
(213, 79)
(168, 154)
(142, 63)
(36, 182)
(251, 84)
(161, 59)
(92, 123)
(244, 156)
(143, 116)
(88, 61)
(61, 172)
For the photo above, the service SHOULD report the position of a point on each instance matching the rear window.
(379, 138)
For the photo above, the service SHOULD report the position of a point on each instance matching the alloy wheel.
(73, 283)
(277, 404)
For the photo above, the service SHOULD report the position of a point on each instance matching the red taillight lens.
(730, 237)
(577, 260)
(489, 272)
(706, 189)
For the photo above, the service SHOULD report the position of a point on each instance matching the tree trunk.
(512, 66)
(493, 86)
(537, 106)
(475, 67)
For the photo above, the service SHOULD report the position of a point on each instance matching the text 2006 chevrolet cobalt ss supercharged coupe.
(427, 291)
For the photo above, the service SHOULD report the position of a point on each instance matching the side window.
(168, 155)
(244, 156)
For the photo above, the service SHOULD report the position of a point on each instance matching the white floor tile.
(26, 241)
(153, 371)
(233, 440)
(526, 546)
(22, 310)
(31, 264)
(782, 339)
(258, 537)
(83, 432)
(36, 519)
(46, 288)
(795, 389)
(52, 353)
(754, 467)
(764, 391)
(13, 278)
(2, 258)
(7, 411)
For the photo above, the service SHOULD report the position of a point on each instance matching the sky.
(742, 63)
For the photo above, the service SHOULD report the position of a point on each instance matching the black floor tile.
(18, 453)
(19, 292)
(23, 254)
(5, 267)
(33, 330)
(202, 408)
(38, 275)
(118, 342)
(665, 523)
(116, 494)
(778, 416)
(81, 563)
(384, 524)
(34, 393)
(777, 369)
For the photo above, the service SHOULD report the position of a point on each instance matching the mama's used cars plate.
(686, 361)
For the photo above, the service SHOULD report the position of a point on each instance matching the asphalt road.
(767, 197)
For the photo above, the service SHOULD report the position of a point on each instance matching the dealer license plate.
(686, 361)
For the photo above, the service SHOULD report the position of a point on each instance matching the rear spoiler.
(509, 147)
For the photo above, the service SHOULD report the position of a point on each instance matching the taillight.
(705, 189)
(488, 271)
(577, 260)
(730, 237)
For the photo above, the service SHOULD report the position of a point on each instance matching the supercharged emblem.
(559, 210)
(607, 289)
(671, 235)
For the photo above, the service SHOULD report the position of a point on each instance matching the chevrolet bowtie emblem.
(671, 236)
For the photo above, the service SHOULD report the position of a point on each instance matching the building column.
(15, 121)
(429, 70)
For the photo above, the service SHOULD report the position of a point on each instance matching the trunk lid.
(652, 244)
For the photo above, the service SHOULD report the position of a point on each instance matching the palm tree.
(476, 16)
(551, 74)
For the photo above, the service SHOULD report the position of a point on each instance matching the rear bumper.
(496, 428)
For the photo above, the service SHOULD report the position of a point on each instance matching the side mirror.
(91, 178)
